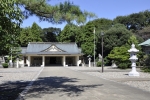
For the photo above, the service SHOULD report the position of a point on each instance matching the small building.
(146, 46)
(51, 54)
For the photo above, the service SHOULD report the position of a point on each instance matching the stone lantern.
(17, 66)
(89, 58)
(133, 58)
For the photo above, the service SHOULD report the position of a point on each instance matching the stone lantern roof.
(133, 49)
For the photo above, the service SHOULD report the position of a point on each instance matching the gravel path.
(18, 74)
(117, 75)
(13, 81)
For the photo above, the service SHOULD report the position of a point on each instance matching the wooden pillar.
(29, 61)
(64, 61)
(77, 60)
(43, 61)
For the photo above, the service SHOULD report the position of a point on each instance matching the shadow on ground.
(57, 85)
(10, 90)
(107, 70)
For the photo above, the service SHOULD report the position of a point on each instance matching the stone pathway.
(59, 83)
(117, 75)
(66, 84)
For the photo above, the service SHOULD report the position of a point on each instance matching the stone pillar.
(64, 61)
(17, 63)
(43, 61)
(29, 60)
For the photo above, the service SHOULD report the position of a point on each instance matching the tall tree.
(51, 34)
(10, 20)
(101, 25)
(135, 21)
(25, 36)
(88, 38)
(144, 33)
(71, 33)
(116, 36)
(30, 34)
(67, 34)
(120, 54)
(36, 33)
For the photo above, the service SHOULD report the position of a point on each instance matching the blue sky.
(102, 8)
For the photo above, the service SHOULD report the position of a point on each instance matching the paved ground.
(59, 83)
(118, 75)
(14, 80)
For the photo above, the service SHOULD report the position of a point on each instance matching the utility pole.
(102, 51)
(94, 46)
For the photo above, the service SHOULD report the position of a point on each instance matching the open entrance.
(36, 61)
(70, 61)
(53, 61)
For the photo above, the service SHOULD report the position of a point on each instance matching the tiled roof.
(39, 47)
(23, 50)
(145, 43)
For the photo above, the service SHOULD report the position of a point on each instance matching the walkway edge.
(29, 85)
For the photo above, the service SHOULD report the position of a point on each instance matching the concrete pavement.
(60, 83)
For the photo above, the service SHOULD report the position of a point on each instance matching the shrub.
(5, 65)
(123, 65)
(99, 64)
(146, 69)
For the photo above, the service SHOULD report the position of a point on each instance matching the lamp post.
(102, 34)
(11, 62)
(11, 58)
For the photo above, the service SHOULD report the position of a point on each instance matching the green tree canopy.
(85, 35)
(88, 39)
(68, 33)
(36, 32)
(62, 12)
(121, 55)
(10, 20)
(51, 34)
(135, 21)
(30, 34)
(25, 36)
(116, 36)
(144, 33)
(101, 25)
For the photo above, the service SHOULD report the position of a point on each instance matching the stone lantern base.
(134, 73)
